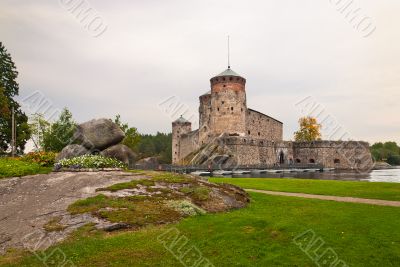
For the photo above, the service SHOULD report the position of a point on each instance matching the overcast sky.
(149, 52)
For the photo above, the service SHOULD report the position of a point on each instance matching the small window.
(248, 132)
(222, 102)
(175, 153)
(218, 109)
(312, 160)
(259, 133)
(224, 85)
(298, 161)
(230, 78)
(241, 109)
(232, 108)
(336, 161)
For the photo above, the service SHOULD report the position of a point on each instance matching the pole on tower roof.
(229, 60)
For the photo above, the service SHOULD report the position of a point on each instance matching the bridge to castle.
(238, 168)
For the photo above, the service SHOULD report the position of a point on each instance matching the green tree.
(38, 125)
(9, 88)
(132, 137)
(310, 130)
(388, 152)
(60, 133)
(159, 145)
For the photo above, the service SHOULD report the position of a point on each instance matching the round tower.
(179, 127)
(228, 103)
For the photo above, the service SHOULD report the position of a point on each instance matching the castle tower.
(228, 103)
(204, 117)
(179, 127)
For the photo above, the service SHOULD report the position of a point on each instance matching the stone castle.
(232, 134)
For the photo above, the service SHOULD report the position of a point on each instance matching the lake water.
(388, 175)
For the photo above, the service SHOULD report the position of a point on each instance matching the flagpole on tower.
(229, 59)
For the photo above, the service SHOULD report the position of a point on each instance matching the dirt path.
(28, 203)
(333, 198)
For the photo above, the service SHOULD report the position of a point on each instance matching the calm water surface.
(389, 175)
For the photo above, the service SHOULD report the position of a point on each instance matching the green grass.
(386, 191)
(259, 235)
(14, 168)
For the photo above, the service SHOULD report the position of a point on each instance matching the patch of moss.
(54, 225)
(169, 177)
(197, 193)
(128, 185)
(135, 211)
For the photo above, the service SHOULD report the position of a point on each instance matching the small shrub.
(45, 159)
(91, 161)
(185, 207)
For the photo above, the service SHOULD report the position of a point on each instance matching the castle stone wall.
(331, 154)
(259, 125)
(334, 154)
(188, 143)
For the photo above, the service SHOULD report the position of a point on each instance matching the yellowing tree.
(310, 130)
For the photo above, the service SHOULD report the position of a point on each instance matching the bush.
(45, 159)
(13, 167)
(185, 207)
(91, 161)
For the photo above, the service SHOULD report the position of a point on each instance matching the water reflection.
(389, 175)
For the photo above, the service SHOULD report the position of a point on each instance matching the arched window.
(298, 161)
(312, 160)
(336, 161)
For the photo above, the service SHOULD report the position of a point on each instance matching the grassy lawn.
(12, 167)
(386, 191)
(259, 235)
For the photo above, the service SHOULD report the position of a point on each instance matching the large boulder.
(120, 152)
(98, 134)
(147, 163)
(72, 151)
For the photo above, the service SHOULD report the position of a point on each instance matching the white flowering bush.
(90, 161)
(185, 207)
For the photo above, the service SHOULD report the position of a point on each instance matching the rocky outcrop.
(98, 134)
(72, 151)
(147, 163)
(120, 152)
